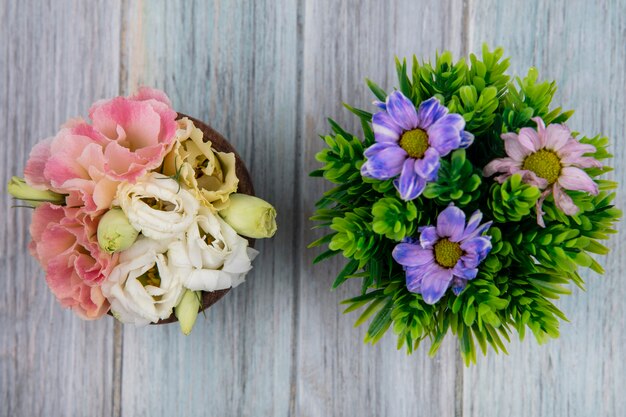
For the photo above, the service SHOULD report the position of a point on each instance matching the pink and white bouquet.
(137, 212)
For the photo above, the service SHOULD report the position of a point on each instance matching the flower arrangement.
(466, 206)
(137, 212)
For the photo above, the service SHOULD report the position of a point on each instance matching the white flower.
(142, 288)
(157, 206)
(212, 256)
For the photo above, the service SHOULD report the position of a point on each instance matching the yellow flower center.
(545, 163)
(414, 142)
(150, 277)
(447, 253)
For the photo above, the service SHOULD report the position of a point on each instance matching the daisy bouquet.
(138, 214)
(466, 205)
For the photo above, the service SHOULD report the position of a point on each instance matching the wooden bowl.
(219, 143)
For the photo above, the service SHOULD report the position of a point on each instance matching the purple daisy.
(409, 142)
(445, 255)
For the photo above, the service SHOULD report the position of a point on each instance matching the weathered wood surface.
(266, 74)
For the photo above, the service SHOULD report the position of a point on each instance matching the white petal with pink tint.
(573, 178)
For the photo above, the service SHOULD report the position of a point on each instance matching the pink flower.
(550, 159)
(65, 244)
(129, 137)
(141, 129)
(73, 163)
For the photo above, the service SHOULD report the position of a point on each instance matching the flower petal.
(476, 250)
(529, 138)
(410, 185)
(428, 236)
(451, 223)
(541, 130)
(556, 136)
(463, 272)
(402, 110)
(458, 285)
(466, 139)
(574, 149)
(573, 178)
(429, 112)
(444, 138)
(411, 255)
(515, 149)
(435, 284)
(385, 129)
(384, 161)
(414, 277)
(529, 177)
(428, 166)
(504, 165)
(563, 201)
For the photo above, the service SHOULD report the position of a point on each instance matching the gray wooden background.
(267, 73)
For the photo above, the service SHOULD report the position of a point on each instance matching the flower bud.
(250, 216)
(187, 310)
(18, 188)
(115, 233)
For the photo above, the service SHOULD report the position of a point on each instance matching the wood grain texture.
(233, 65)
(580, 45)
(266, 74)
(51, 362)
(344, 42)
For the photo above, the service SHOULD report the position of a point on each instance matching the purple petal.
(451, 223)
(410, 185)
(429, 112)
(444, 138)
(414, 279)
(463, 272)
(428, 166)
(428, 236)
(409, 255)
(472, 224)
(385, 129)
(402, 110)
(466, 139)
(453, 119)
(384, 161)
(476, 250)
(573, 178)
(435, 284)
(458, 285)
(381, 105)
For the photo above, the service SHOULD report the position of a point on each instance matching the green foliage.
(458, 181)
(394, 218)
(512, 200)
(354, 235)
(528, 266)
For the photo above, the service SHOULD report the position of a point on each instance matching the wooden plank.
(580, 45)
(56, 59)
(233, 65)
(338, 375)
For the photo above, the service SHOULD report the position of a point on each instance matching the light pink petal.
(541, 130)
(504, 165)
(575, 147)
(147, 93)
(529, 138)
(563, 201)
(514, 149)
(556, 136)
(539, 205)
(573, 178)
(34, 170)
(529, 177)
(139, 122)
(582, 162)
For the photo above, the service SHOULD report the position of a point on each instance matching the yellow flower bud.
(18, 188)
(187, 310)
(250, 216)
(115, 233)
